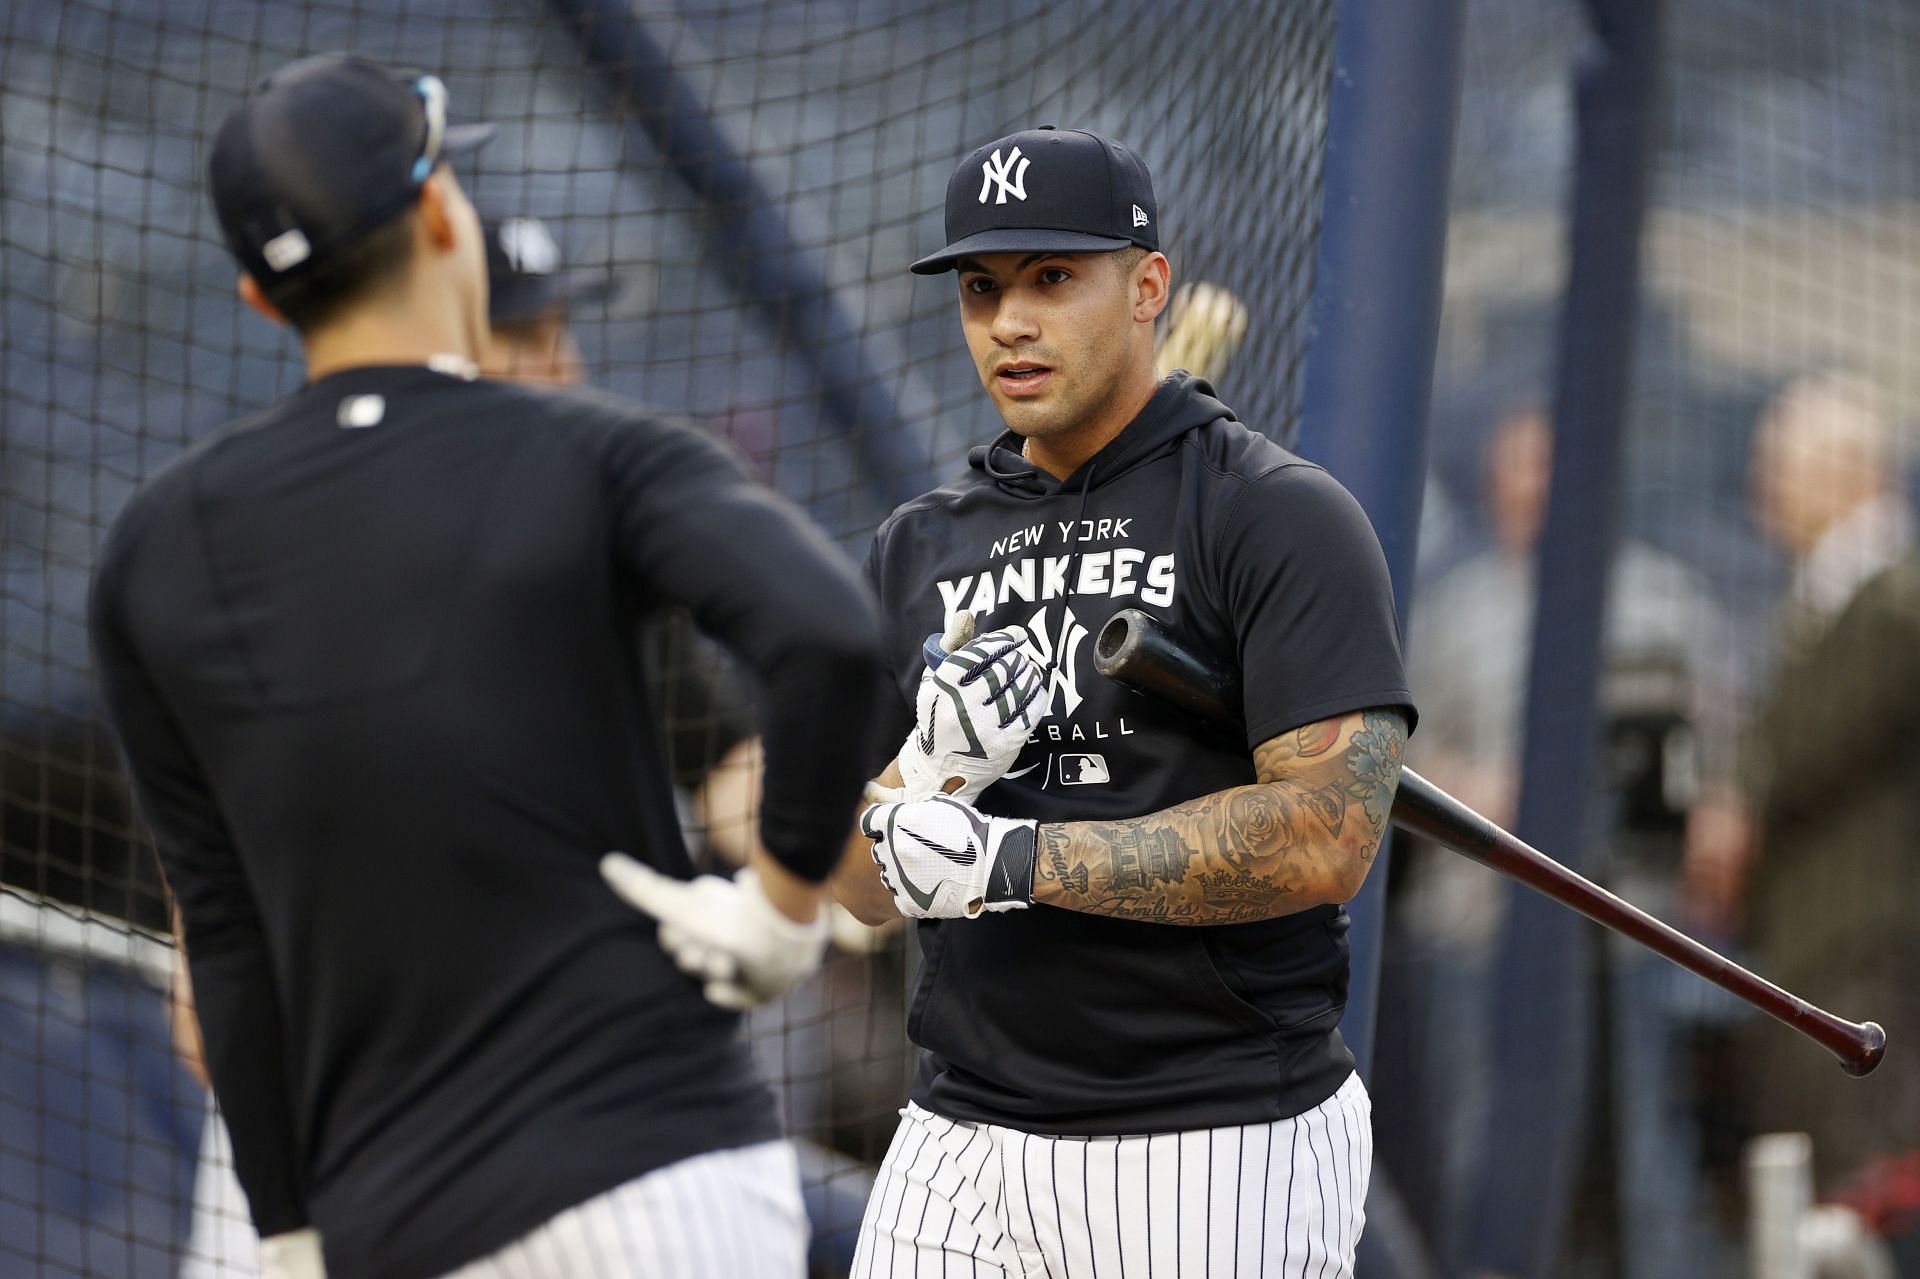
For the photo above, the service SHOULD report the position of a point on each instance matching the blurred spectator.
(1834, 777)
(1669, 695)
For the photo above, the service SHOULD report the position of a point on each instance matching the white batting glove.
(293, 1255)
(973, 714)
(723, 932)
(942, 859)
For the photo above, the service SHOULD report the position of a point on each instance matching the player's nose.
(1015, 324)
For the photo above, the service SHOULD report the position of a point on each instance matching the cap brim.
(522, 299)
(463, 139)
(1012, 240)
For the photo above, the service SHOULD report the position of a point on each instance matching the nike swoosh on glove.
(942, 859)
(723, 932)
(973, 715)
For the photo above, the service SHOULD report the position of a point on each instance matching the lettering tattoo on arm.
(1302, 835)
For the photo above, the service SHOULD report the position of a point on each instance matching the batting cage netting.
(723, 199)
(1754, 687)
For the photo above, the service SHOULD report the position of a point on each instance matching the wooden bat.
(1205, 326)
(1138, 651)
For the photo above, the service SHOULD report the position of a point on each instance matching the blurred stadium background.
(743, 182)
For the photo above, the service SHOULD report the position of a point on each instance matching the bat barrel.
(1425, 809)
(1134, 649)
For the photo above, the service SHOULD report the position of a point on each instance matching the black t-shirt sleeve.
(234, 995)
(893, 718)
(1307, 592)
(760, 578)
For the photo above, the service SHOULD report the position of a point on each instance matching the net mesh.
(736, 189)
(1778, 253)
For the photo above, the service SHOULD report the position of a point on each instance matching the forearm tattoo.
(1300, 836)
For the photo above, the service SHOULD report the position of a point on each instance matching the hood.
(1182, 403)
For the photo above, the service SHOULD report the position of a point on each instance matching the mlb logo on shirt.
(1084, 770)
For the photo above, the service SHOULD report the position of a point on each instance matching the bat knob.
(1873, 1046)
(959, 632)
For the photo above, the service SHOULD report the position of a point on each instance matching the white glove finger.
(688, 957)
(293, 1255)
(719, 965)
(730, 995)
(641, 886)
(984, 654)
(873, 820)
(1013, 635)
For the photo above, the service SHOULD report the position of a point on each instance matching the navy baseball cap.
(1047, 190)
(325, 151)
(525, 277)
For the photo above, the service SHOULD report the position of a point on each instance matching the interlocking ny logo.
(994, 172)
(1057, 654)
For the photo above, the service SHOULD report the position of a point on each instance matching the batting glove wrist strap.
(1010, 886)
(973, 715)
(942, 859)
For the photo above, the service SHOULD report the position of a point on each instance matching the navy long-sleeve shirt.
(372, 659)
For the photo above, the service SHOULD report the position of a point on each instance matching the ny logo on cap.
(995, 170)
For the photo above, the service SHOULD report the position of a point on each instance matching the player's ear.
(254, 296)
(437, 218)
(1152, 283)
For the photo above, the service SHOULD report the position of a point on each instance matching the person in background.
(1670, 695)
(1825, 900)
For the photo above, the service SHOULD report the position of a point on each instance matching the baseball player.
(1135, 951)
(370, 655)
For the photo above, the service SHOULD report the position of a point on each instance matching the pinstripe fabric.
(1266, 1201)
(731, 1214)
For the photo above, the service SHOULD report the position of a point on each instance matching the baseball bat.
(1205, 325)
(1140, 652)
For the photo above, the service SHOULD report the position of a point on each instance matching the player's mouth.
(1020, 379)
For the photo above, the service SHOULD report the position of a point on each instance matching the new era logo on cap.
(1089, 194)
(287, 250)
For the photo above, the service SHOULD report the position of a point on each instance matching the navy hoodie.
(1053, 1021)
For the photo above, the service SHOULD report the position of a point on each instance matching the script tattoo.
(1054, 864)
(1302, 835)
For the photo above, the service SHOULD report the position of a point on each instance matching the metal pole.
(1779, 1192)
(1376, 317)
(1542, 1015)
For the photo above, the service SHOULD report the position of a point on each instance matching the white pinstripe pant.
(1281, 1200)
(730, 1214)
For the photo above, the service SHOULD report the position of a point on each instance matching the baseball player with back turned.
(372, 658)
(1135, 951)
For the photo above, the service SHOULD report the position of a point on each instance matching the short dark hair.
(1124, 260)
(315, 296)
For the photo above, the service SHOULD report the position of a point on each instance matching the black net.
(735, 190)
(1758, 653)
